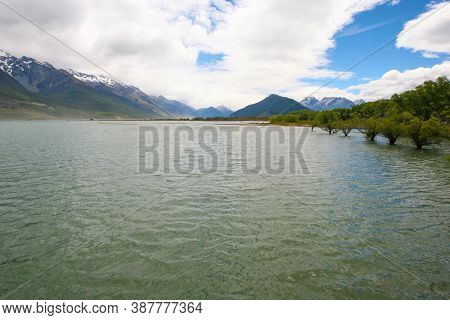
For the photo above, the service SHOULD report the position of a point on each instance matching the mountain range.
(34, 89)
(275, 104)
(31, 89)
(329, 103)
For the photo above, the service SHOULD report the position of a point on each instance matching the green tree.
(424, 133)
(345, 126)
(391, 128)
(432, 98)
(277, 118)
(314, 123)
(369, 128)
(327, 120)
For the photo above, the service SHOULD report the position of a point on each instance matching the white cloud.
(268, 46)
(395, 81)
(430, 55)
(428, 32)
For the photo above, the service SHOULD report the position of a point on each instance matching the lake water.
(79, 221)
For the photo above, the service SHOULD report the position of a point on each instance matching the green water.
(78, 221)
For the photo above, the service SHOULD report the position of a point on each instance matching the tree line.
(421, 114)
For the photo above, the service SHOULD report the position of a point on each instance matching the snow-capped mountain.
(34, 75)
(42, 77)
(329, 103)
(333, 102)
(309, 102)
(71, 89)
(6, 62)
(99, 79)
(131, 93)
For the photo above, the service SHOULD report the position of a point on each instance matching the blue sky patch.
(370, 30)
(207, 59)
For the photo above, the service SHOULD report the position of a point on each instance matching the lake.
(80, 220)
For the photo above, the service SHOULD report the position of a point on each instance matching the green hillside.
(269, 106)
(72, 99)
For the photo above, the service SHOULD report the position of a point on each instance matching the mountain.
(309, 102)
(16, 101)
(107, 85)
(33, 75)
(329, 103)
(72, 94)
(214, 112)
(269, 106)
(175, 108)
(210, 112)
(358, 102)
(332, 103)
(226, 111)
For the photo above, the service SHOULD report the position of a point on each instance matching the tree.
(345, 126)
(291, 118)
(369, 128)
(314, 123)
(432, 98)
(424, 133)
(305, 115)
(327, 121)
(279, 118)
(391, 129)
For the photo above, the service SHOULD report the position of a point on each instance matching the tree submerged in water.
(345, 126)
(422, 115)
(369, 128)
(394, 126)
(424, 133)
(327, 121)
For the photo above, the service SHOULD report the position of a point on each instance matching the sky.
(236, 52)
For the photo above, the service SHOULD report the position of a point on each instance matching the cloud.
(431, 55)
(430, 35)
(266, 46)
(355, 29)
(395, 81)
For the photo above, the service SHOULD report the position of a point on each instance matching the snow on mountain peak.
(6, 62)
(94, 78)
(4, 54)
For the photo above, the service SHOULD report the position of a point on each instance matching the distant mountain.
(214, 112)
(74, 94)
(226, 111)
(269, 106)
(358, 102)
(332, 103)
(175, 108)
(329, 103)
(309, 102)
(210, 112)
